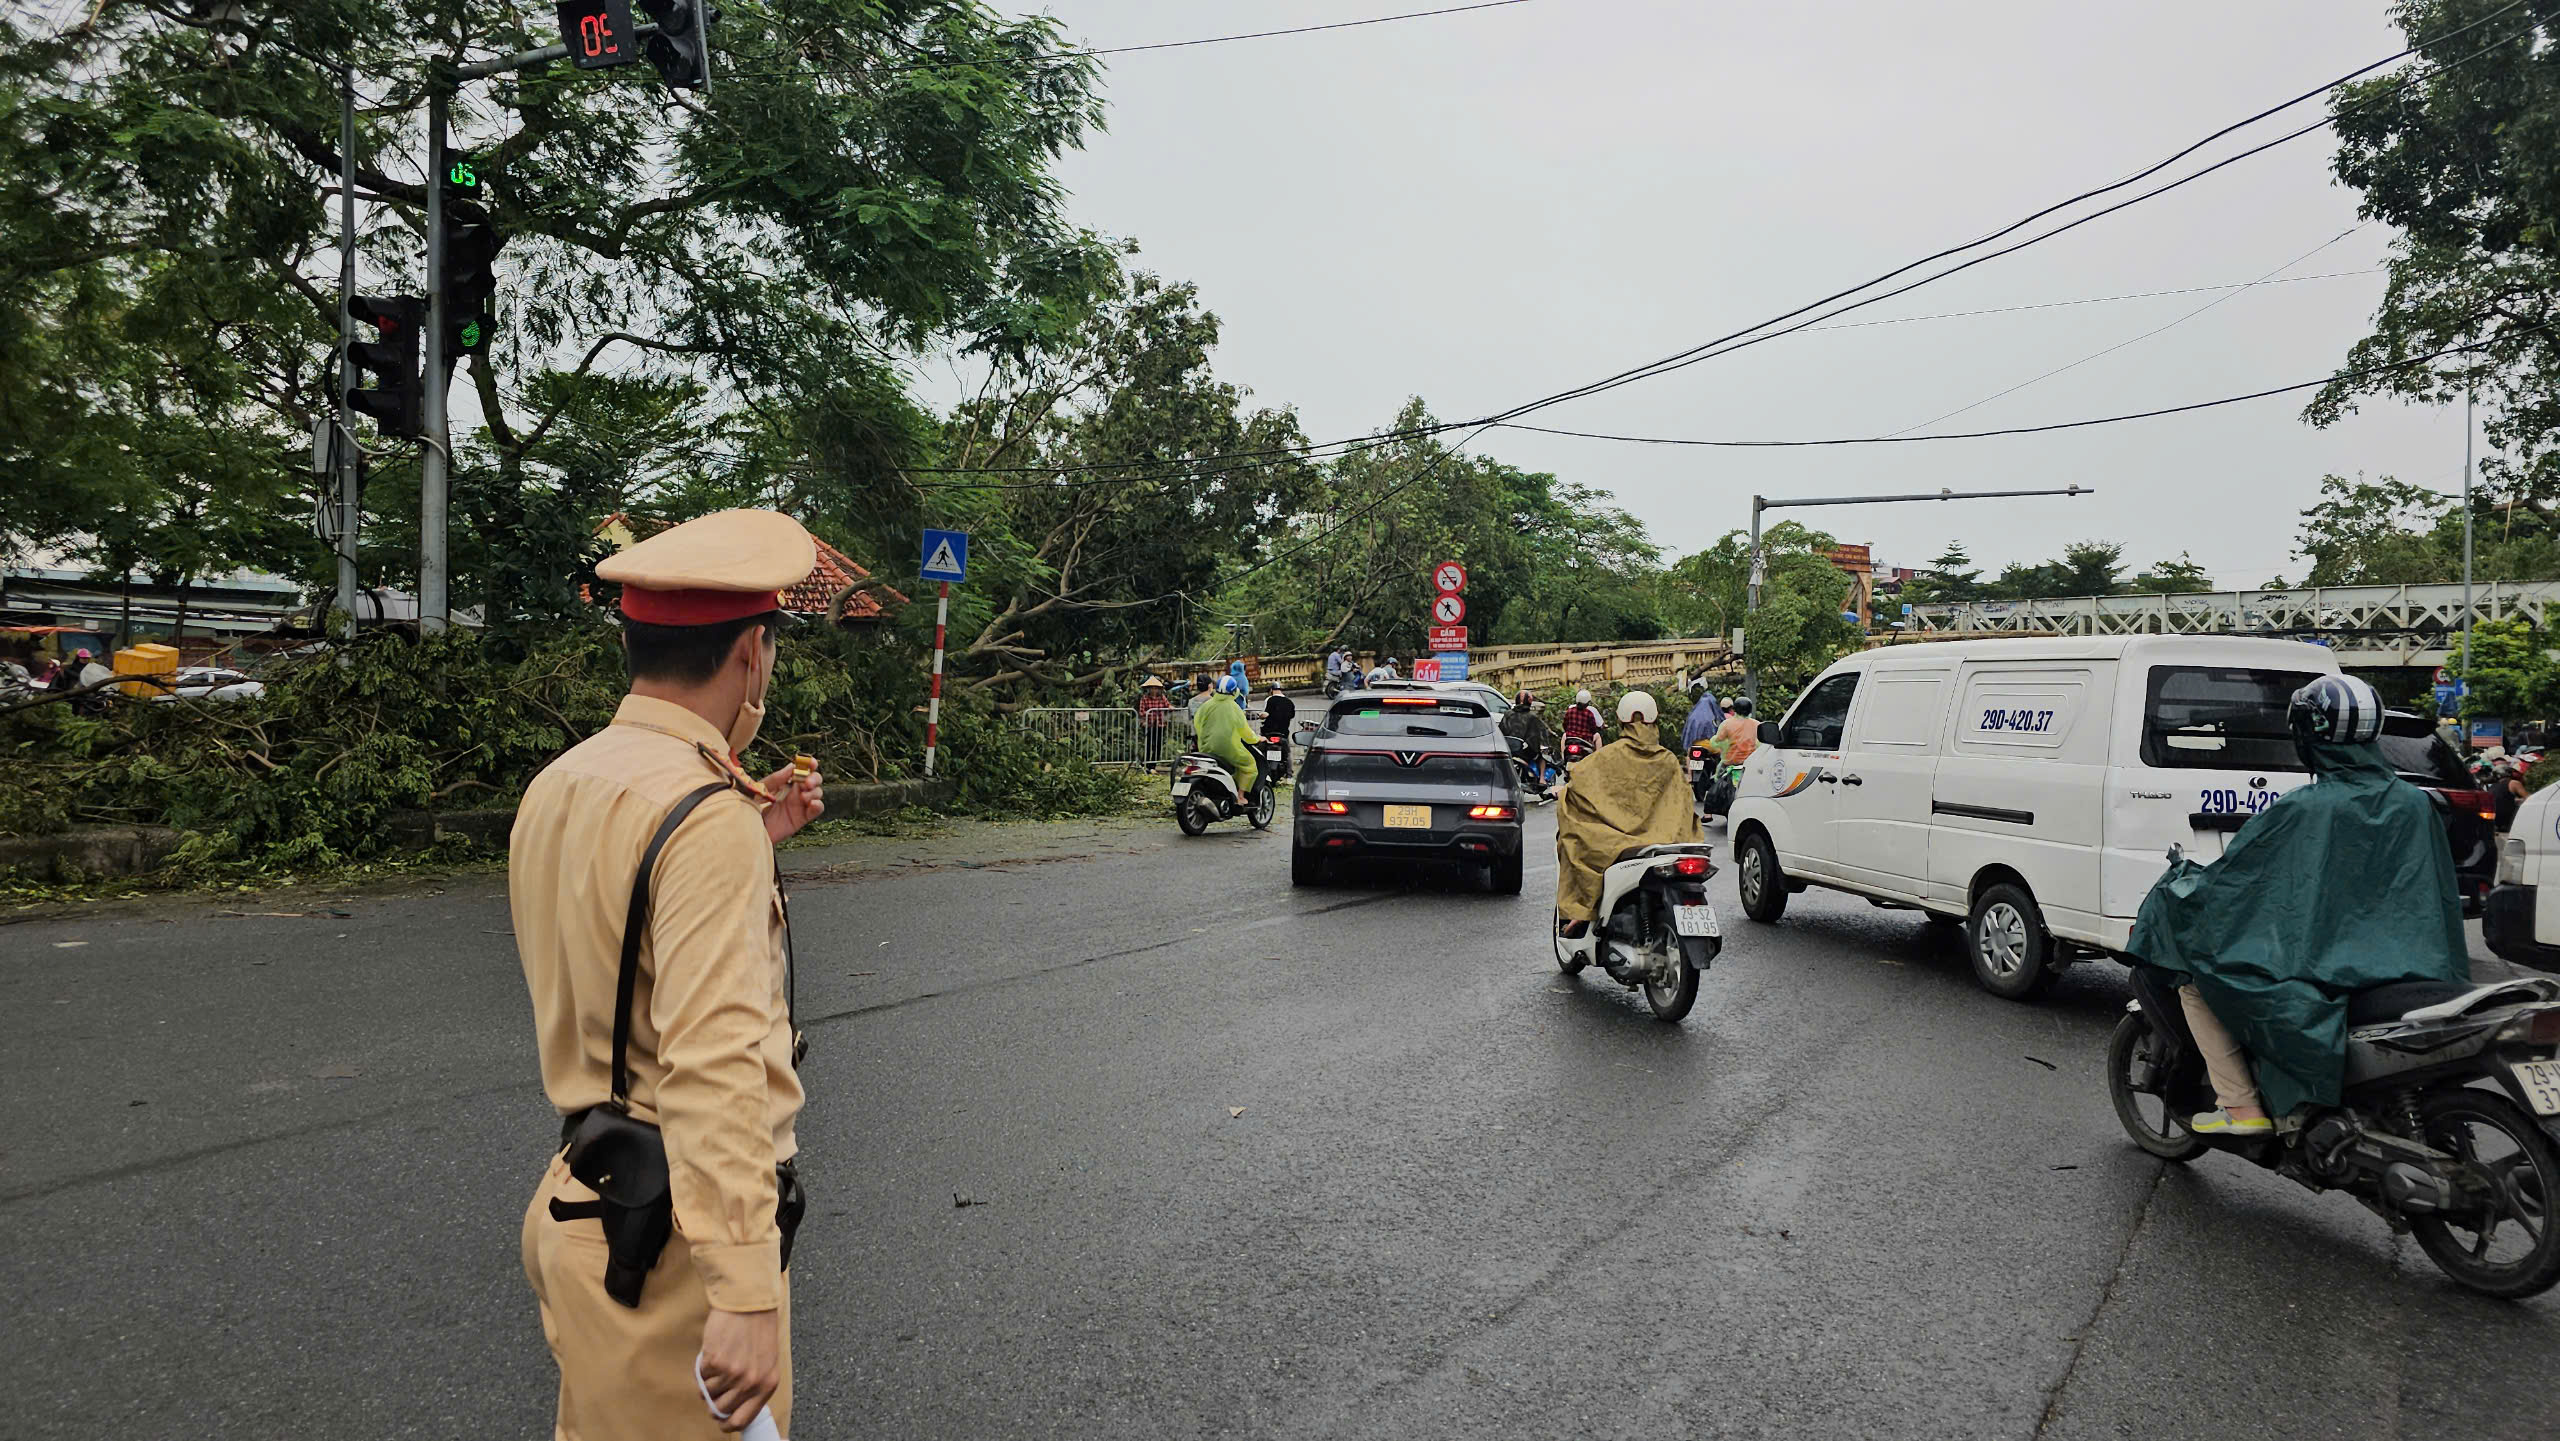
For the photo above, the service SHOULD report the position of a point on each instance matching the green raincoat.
(1222, 731)
(2340, 886)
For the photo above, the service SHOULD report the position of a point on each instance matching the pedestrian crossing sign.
(946, 555)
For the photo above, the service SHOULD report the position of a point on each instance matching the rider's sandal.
(2223, 1123)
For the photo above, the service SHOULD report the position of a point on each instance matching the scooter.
(1656, 931)
(1576, 747)
(1713, 781)
(2419, 1139)
(1538, 775)
(1205, 792)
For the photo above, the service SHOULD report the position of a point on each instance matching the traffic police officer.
(710, 1079)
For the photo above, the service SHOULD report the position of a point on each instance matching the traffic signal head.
(681, 48)
(392, 362)
(471, 246)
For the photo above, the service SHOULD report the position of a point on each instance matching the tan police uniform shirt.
(710, 1051)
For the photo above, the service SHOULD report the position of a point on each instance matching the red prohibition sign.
(1449, 609)
(1449, 577)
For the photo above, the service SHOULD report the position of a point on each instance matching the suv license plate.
(1701, 921)
(1409, 818)
(2541, 1082)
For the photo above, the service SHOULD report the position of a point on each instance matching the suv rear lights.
(1492, 813)
(1324, 808)
(1691, 866)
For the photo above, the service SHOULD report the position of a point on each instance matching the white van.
(2031, 788)
(2522, 919)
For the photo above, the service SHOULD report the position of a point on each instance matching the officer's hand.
(800, 800)
(742, 1362)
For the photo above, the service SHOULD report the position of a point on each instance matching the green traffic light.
(471, 335)
(461, 174)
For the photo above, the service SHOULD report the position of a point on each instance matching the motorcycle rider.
(1223, 732)
(1628, 793)
(2340, 886)
(1582, 718)
(1704, 716)
(1739, 736)
(1279, 713)
(1523, 724)
(1386, 671)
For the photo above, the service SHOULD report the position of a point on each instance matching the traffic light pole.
(1759, 563)
(342, 438)
(435, 459)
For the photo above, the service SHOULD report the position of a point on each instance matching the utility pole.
(435, 459)
(1759, 563)
(342, 439)
(2462, 663)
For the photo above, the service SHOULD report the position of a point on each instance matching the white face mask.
(742, 731)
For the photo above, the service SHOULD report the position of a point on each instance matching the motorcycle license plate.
(1181, 789)
(2541, 1082)
(1701, 921)
(1408, 818)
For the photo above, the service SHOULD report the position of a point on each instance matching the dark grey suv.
(1407, 775)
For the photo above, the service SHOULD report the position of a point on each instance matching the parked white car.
(205, 682)
(2030, 788)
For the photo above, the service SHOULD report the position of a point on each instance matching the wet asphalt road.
(262, 1177)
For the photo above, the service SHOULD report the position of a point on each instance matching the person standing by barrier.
(1279, 713)
(656, 949)
(1154, 718)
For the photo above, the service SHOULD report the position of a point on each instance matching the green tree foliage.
(2465, 163)
(2089, 567)
(1547, 560)
(2512, 674)
(2173, 577)
(865, 178)
(1951, 577)
(2387, 532)
(1797, 630)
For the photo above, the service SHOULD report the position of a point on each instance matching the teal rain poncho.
(1221, 730)
(2340, 886)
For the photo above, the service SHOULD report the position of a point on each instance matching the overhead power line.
(1754, 334)
(2018, 429)
(2097, 299)
(1063, 56)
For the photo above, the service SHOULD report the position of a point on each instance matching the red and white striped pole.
(933, 708)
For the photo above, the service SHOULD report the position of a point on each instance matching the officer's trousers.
(626, 1373)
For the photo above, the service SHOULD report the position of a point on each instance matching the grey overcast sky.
(1484, 208)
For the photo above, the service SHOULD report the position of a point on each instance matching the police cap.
(724, 566)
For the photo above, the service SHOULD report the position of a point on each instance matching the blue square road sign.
(946, 555)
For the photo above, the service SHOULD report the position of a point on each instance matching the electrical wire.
(2353, 374)
(2135, 340)
(1747, 336)
(2098, 299)
(1064, 56)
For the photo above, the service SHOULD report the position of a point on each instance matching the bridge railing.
(2383, 610)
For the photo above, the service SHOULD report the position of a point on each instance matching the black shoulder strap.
(632, 926)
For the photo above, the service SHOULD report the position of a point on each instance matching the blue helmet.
(1229, 685)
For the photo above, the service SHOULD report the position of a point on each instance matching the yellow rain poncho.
(1223, 731)
(1631, 792)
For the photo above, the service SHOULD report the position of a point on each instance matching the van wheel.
(2011, 950)
(1764, 886)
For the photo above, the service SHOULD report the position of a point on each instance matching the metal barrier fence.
(1111, 735)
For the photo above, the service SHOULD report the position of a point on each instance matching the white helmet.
(1636, 706)
(1582, 697)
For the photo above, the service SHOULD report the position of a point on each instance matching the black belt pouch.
(624, 1161)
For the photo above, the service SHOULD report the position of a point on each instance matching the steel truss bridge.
(2367, 625)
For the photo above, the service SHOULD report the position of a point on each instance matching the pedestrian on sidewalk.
(656, 947)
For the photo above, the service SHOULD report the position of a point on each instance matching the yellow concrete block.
(150, 658)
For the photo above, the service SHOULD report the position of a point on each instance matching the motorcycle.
(1340, 681)
(1712, 780)
(1205, 792)
(1538, 775)
(1576, 747)
(2471, 1170)
(1656, 931)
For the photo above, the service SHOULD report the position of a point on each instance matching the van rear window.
(2220, 718)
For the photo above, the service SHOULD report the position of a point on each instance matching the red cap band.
(696, 607)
